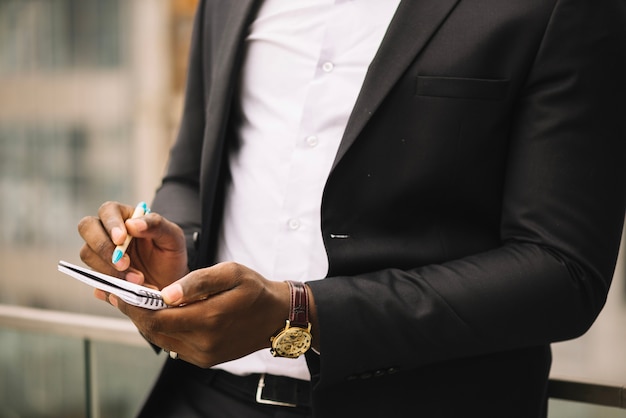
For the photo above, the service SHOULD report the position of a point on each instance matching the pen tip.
(117, 255)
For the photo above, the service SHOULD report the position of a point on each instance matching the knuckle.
(102, 247)
(106, 205)
(154, 218)
(205, 346)
(232, 268)
(85, 252)
(204, 358)
(155, 223)
(85, 223)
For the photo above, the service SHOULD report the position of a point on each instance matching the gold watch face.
(291, 342)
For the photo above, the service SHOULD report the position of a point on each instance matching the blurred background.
(89, 103)
(90, 96)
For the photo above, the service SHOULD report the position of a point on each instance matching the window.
(50, 35)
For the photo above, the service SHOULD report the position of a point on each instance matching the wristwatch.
(295, 339)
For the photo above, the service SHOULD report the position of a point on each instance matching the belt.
(264, 388)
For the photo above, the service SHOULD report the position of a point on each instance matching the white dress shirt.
(304, 66)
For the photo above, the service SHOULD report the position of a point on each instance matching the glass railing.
(59, 364)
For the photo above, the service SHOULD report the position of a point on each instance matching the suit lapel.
(236, 17)
(412, 26)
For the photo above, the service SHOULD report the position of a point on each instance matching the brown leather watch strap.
(299, 310)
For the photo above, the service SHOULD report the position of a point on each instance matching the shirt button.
(312, 141)
(328, 66)
(293, 224)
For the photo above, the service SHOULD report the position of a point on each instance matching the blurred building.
(90, 94)
(89, 102)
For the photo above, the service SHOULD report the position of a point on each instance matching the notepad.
(131, 293)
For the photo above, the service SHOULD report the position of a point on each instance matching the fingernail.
(117, 255)
(113, 300)
(172, 294)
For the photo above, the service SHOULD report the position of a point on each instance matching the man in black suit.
(468, 216)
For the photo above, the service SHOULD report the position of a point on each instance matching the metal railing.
(587, 392)
(88, 328)
(92, 328)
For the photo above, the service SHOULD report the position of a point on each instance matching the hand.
(222, 313)
(156, 256)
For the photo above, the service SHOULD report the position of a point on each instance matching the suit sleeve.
(178, 197)
(561, 223)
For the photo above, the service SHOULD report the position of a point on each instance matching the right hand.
(157, 255)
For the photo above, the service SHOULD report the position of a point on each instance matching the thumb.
(164, 234)
(173, 294)
(195, 286)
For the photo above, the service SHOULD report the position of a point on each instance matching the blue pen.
(140, 210)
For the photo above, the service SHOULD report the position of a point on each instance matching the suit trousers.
(183, 391)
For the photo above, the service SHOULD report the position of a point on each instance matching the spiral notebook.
(131, 293)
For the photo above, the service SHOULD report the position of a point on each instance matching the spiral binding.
(152, 299)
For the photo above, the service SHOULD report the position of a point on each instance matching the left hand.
(221, 313)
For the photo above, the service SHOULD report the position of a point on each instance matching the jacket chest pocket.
(462, 88)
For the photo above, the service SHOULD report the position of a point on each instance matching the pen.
(140, 210)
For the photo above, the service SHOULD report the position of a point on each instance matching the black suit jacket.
(473, 212)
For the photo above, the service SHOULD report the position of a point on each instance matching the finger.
(202, 283)
(101, 235)
(164, 234)
(168, 344)
(112, 215)
(174, 294)
(135, 276)
(97, 249)
(152, 325)
(101, 295)
(135, 313)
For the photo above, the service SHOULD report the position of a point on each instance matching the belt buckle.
(260, 399)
